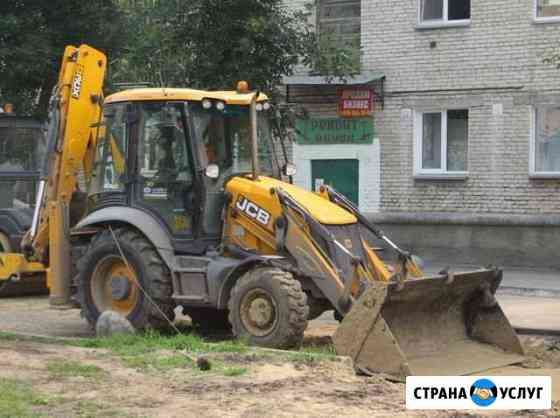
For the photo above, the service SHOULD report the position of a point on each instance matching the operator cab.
(170, 139)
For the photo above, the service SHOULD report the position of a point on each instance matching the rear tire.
(268, 307)
(102, 264)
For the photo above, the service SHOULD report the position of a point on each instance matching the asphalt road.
(32, 315)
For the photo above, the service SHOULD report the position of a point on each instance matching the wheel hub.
(258, 312)
(113, 286)
(261, 312)
(120, 288)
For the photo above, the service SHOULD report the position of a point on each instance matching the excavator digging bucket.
(436, 326)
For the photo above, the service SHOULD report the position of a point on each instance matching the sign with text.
(476, 392)
(330, 131)
(355, 102)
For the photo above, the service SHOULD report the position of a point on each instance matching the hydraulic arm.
(74, 121)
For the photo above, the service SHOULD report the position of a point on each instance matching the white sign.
(476, 392)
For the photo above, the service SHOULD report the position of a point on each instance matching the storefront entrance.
(343, 175)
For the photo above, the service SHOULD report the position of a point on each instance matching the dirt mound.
(542, 352)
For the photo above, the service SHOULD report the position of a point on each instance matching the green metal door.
(343, 175)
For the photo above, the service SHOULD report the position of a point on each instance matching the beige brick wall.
(495, 60)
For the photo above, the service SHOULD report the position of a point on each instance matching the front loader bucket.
(432, 326)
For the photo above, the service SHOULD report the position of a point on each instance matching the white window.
(545, 142)
(441, 143)
(547, 10)
(434, 13)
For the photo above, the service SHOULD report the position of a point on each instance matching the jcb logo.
(253, 211)
(77, 84)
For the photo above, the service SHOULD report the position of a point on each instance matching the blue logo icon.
(484, 392)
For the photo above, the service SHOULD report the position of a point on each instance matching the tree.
(33, 35)
(212, 43)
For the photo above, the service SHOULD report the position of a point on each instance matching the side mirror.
(289, 170)
(212, 171)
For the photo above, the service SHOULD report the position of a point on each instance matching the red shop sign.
(355, 102)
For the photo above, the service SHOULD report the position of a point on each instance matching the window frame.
(543, 19)
(533, 173)
(435, 173)
(444, 22)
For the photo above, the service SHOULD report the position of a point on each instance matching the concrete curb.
(537, 331)
(527, 291)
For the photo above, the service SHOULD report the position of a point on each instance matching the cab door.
(165, 182)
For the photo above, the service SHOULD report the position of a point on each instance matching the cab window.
(165, 166)
(110, 156)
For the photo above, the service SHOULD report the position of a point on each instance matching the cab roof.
(163, 94)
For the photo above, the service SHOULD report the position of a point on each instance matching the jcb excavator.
(158, 198)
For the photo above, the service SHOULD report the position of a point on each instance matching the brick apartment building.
(465, 157)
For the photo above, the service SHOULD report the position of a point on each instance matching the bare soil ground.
(61, 380)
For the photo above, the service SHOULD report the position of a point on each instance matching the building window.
(441, 142)
(339, 22)
(435, 13)
(545, 149)
(547, 10)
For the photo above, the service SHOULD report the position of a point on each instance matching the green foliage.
(331, 57)
(211, 44)
(33, 35)
(207, 44)
(17, 399)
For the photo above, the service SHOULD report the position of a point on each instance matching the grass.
(18, 399)
(147, 351)
(152, 341)
(326, 350)
(234, 371)
(312, 354)
(155, 351)
(90, 409)
(65, 368)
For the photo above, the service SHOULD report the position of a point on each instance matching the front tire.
(268, 307)
(106, 283)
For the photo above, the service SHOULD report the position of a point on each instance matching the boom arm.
(74, 120)
(75, 113)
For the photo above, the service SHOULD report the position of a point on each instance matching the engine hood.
(258, 191)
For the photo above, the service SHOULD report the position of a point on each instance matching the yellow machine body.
(402, 323)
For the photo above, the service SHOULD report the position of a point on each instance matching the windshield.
(109, 161)
(226, 136)
(21, 148)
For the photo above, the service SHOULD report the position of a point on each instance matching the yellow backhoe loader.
(185, 206)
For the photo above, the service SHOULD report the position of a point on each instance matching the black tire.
(149, 269)
(209, 319)
(288, 302)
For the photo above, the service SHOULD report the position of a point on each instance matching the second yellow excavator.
(158, 198)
